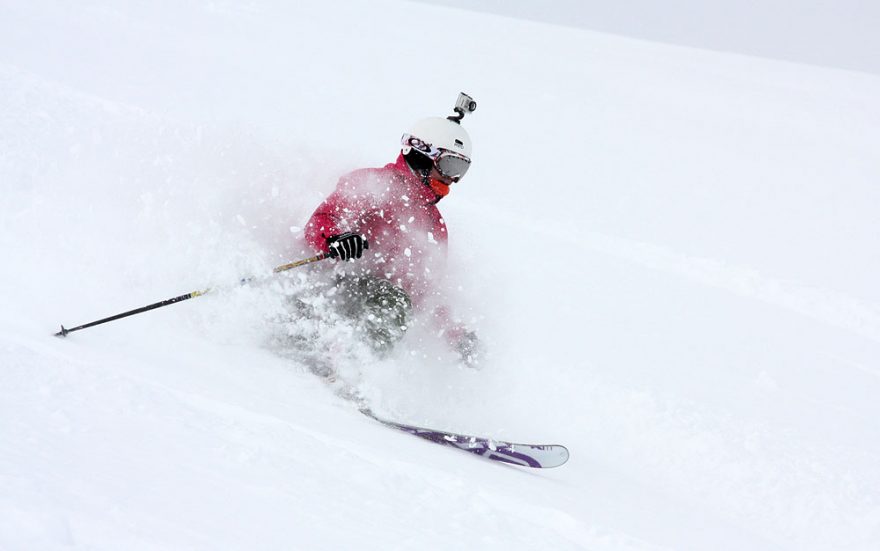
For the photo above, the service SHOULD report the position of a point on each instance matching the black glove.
(347, 245)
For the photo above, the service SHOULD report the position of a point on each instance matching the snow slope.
(690, 306)
(838, 34)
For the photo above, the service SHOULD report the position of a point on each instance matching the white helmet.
(438, 149)
(438, 146)
(441, 133)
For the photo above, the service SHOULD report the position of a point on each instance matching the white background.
(839, 34)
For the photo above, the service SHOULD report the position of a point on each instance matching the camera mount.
(464, 105)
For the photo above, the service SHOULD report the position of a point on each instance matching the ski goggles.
(449, 164)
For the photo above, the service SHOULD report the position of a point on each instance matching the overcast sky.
(834, 33)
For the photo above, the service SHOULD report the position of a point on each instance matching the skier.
(386, 221)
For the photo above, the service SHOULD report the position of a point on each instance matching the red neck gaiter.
(439, 188)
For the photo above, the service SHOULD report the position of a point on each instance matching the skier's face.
(440, 164)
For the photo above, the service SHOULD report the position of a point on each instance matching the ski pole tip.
(62, 333)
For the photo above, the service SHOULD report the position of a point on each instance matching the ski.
(523, 455)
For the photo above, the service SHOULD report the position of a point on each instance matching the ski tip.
(546, 456)
(560, 457)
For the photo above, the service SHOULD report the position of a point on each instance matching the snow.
(670, 254)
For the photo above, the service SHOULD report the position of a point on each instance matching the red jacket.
(398, 215)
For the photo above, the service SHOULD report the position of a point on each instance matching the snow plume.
(192, 208)
(154, 205)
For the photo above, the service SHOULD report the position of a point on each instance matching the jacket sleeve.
(342, 211)
(322, 224)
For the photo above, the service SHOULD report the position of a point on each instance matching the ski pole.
(283, 268)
